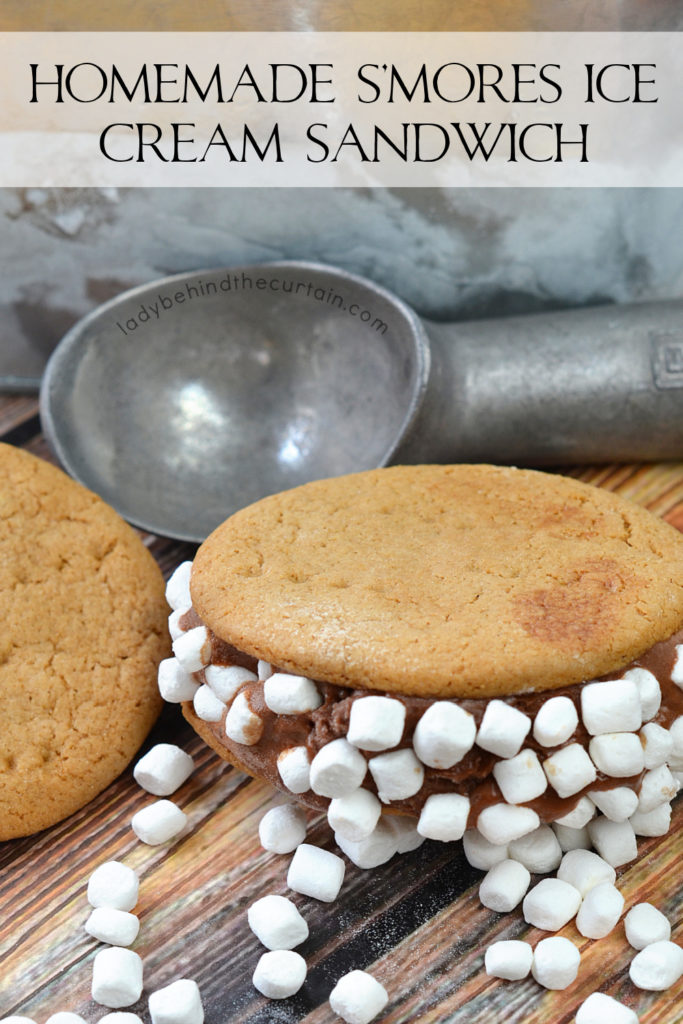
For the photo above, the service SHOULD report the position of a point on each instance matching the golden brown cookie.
(460, 581)
(83, 629)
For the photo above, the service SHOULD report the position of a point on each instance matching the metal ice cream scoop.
(185, 399)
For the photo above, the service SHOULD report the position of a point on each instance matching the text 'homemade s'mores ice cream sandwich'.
(477, 647)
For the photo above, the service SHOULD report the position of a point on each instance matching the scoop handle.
(593, 385)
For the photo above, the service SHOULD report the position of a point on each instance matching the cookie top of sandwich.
(458, 581)
(83, 628)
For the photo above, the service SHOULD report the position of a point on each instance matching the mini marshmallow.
(113, 884)
(404, 832)
(503, 729)
(520, 778)
(503, 887)
(644, 924)
(163, 769)
(178, 587)
(337, 769)
(555, 963)
(398, 775)
(501, 823)
(657, 967)
(178, 1003)
(277, 923)
(286, 694)
(615, 841)
(282, 828)
(584, 870)
(480, 853)
(539, 851)
(17, 1020)
(676, 734)
(610, 707)
(120, 1017)
(193, 649)
(174, 628)
(569, 770)
(579, 815)
(315, 872)
(242, 725)
(444, 817)
(657, 744)
(555, 721)
(378, 848)
(649, 691)
(658, 787)
(117, 927)
(65, 1017)
(509, 959)
(551, 904)
(571, 838)
(600, 911)
(116, 977)
(158, 822)
(279, 974)
(294, 767)
(652, 823)
(358, 998)
(264, 669)
(225, 680)
(677, 671)
(444, 734)
(207, 706)
(175, 684)
(354, 816)
(617, 804)
(376, 723)
(602, 1009)
(618, 754)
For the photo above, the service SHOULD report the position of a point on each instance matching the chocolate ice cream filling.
(472, 776)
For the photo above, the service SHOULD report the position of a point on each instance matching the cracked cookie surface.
(83, 629)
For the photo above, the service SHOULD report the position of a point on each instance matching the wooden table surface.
(416, 922)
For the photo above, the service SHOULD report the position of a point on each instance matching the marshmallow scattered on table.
(117, 927)
(444, 817)
(358, 998)
(279, 974)
(287, 694)
(585, 869)
(376, 723)
(555, 722)
(602, 1009)
(618, 754)
(315, 872)
(658, 787)
(65, 1017)
(649, 691)
(116, 977)
(569, 770)
(652, 823)
(520, 778)
(294, 768)
(539, 851)
(120, 1017)
(582, 812)
(504, 886)
(480, 853)
(398, 775)
(615, 841)
(509, 959)
(644, 924)
(354, 816)
(163, 769)
(207, 706)
(444, 734)
(503, 729)
(610, 707)
(501, 823)
(113, 884)
(242, 725)
(657, 744)
(600, 911)
(158, 822)
(193, 649)
(177, 1003)
(379, 847)
(556, 962)
(337, 769)
(17, 1020)
(277, 923)
(657, 967)
(175, 684)
(551, 904)
(178, 587)
(617, 804)
(282, 828)
(225, 680)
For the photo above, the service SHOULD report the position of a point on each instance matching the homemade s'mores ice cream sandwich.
(477, 647)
